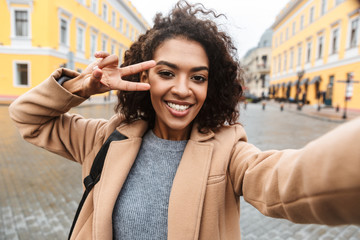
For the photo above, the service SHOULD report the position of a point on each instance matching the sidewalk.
(99, 100)
(325, 113)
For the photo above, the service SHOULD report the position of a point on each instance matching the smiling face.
(179, 83)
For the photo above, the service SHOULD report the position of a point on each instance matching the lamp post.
(300, 74)
(348, 91)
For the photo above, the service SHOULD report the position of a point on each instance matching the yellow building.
(39, 36)
(315, 50)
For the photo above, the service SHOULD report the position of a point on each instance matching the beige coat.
(319, 183)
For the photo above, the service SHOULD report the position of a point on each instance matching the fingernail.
(97, 74)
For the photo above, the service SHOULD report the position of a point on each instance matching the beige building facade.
(256, 64)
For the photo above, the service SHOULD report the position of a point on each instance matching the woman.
(185, 162)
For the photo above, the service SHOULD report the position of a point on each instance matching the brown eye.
(166, 74)
(199, 78)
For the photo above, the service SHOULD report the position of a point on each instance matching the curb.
(312, 113)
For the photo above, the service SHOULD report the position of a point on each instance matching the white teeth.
(178, 107)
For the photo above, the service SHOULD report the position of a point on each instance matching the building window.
(262, 77)
(104, 44)
(320, 47)
(21, 23)
(291, 58)
(285, 61)
(112, 49)
(323, 6)
(120, 56)
(308, 52)
(113, 18)
(132, 34)
(93, 45)
(80, 39)
(302, 22)
(337, 2)
(127, 30)
(293, 28)
(299, 56)
(354, 33)
(264, 60)
(121, 25)
(21, 78)
(334, 41)
(94, 6)
(63, 32)
(104, 12)
(279, 63)
(287, 33)
(311, 15)
(274, 65)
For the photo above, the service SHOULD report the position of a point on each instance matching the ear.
(144, 77)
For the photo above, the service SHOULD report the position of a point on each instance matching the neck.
(170, 134)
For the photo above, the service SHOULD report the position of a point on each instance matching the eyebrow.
(171, 65)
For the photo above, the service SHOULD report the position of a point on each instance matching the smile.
(178, 107)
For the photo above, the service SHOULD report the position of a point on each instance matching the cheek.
(202, 94)
(156, 91)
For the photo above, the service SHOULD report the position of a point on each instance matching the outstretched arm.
(319, 183)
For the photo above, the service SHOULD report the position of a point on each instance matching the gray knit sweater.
(141, 209)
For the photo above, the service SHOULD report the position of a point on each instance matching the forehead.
(179, 50)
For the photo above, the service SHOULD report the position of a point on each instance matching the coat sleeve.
(42, 119)
(319, 183)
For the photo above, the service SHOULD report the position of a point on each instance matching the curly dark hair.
(192, 22)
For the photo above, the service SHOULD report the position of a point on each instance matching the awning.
(295, 83)
(315, 79)
(305, 80)
(288, 84)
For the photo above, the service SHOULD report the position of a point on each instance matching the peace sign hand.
(112, 75)
(104, 75)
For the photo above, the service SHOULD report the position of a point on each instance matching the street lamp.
(300, 74)
(348, 92)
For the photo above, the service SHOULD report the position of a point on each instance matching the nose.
(181, 87)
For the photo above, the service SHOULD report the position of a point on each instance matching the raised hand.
(104, 75)
(112, 74)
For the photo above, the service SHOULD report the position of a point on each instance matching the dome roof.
(249, 52)
(266, 38)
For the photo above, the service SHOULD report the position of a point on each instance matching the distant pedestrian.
(304, 98)
(186, 160)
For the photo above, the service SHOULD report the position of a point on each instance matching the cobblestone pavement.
(39, 191)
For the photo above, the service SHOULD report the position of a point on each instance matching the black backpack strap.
(95, 172)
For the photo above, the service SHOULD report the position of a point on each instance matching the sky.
(246, 19)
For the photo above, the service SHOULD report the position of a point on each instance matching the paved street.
(39, 191)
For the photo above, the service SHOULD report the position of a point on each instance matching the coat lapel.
(118, 162)
(188, 190)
